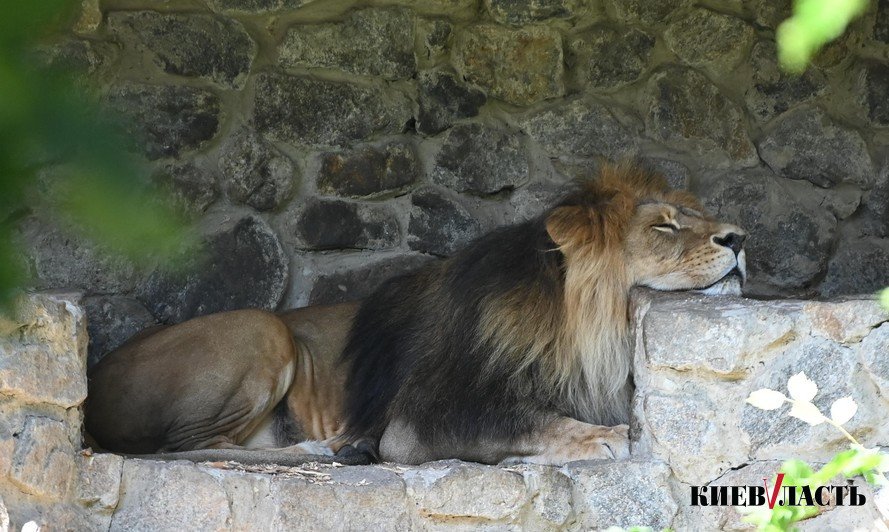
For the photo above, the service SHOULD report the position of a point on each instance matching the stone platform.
(696, 359)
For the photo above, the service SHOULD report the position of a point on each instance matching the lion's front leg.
(566, 440)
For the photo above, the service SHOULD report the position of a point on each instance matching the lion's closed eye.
(666, 227)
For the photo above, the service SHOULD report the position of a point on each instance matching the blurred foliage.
(46, 120)
(884, 298)
(814, 23)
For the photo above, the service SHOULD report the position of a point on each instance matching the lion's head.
(650, 235)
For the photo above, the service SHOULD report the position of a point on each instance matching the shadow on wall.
(323, 146)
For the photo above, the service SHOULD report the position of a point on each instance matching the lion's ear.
(569, 226)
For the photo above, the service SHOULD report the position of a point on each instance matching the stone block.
(444, 99)
(520, 66)
(240, 264)
(518, 12)
(604, 57)
(335, 224)
(711, 40)
(111, 321)
(255, 173)
(191, 45)
(43, 460)
(775, 91)
(166, 121)
(807, 144)
(306, 111)
(360, 281)
(369, 171)
(371, 42)
(188, 188)
(481, 159)
(647, 12)
(439, 224)
(857, 267)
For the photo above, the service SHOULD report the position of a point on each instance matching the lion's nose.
(733, 241)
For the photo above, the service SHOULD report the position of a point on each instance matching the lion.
(514, 349)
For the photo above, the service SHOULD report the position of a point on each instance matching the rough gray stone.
(450, 489)
(480, 159)
(44, 361)
(373, 42)
(98, 483)
(806, 144)
(519, 12)
(708, 39)
(369, 171)
(623, 494)
(191, 190)
(771, 13)
(533, 200)
(881, 24)
(443, 99)
(857, 267)
(43, 460)
(874, 219)
(580, 128)
(84, 58)
(520, 66)
(61, 259)
(335, 224)
(685, 108)
(775, 91)
(648, 12)
(112, 320)
(166, 120)
(193, 45)
(876, 80)
(306, 111)
(606, 57)
(255, 173)
(255, 6)
(678, 175)
(357, 283)
(152, 498)
(790, 232)
(435, 34)
(240, 265)
(439, 224)
(874, 347)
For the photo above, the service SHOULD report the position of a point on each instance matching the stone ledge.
(695, 360)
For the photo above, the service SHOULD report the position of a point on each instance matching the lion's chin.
(730, 285)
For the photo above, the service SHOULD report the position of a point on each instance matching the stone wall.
(695, 361)
(322, 146)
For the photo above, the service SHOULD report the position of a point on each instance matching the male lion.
(514, 349)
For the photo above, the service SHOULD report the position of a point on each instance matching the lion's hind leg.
(567, 440)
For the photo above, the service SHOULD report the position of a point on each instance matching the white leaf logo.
(801, 387)
(807, 412)
(766, 399)
(842, 410)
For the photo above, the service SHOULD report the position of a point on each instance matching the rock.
(166, 120)
(369, 171)
(372, 42)
(61, 259)
(519, 66)
(550, 490)
(43, 463)
(874, 219)
(843, 320)
(439, 224)
(98, 483)
(335, 224)
(773, 91)
(191, 190)
(580, 128)
(686, 109)
(192, 45)
(480, 159)
(708, 39)
(359, 282)
(791, 234)
(444, 99)
(152, 498)
(518, 12)
(306, 111)
(255, 6)
(447, 490)
(876, 82)
(4, 516)
(112, 320)
(771, 13)
(241, 265)
(622, 494)
(806, 144)
(435, 35)
(255, 173)
(881, 24)
(533, 200)
(647, 12)
(873, 347)
(45, 361)
(607, 58)
(677, 174)
(83, 58)
(857, 267)
(88, 22)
